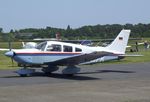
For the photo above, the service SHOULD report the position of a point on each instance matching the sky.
(20, 14)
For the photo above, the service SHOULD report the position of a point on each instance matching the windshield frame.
(41, 46)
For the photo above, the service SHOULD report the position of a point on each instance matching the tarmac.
(95, 83)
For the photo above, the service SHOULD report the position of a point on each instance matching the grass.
(15, 45)
(140, 59)
(6, 62)
(144, 58)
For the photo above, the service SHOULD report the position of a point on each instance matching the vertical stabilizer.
(120, 42)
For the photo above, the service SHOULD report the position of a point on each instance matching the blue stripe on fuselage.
(46, 54)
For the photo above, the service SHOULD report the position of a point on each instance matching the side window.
(49, 48)
(67, 48)
(54, 47)
(78, 50)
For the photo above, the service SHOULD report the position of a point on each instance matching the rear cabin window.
(67, 48)
(78, 50)
(54, 47)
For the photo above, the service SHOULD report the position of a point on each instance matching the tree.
(96, 31)
(1, 30)
(68, 27)
(11, 31)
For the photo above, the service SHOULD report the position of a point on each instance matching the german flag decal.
(120, 38)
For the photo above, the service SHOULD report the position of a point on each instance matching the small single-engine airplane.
(54, 53)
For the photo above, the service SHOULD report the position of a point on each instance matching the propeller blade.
(12, 61)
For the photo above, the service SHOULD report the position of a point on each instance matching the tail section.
(120, 43)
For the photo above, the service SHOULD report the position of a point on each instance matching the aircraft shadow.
(62, 76)
(12, 76)
(107, 71)
(55, 75)
(78, 76)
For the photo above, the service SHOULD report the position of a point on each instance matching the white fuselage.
(44, 53)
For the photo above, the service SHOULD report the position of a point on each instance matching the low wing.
(79, 58)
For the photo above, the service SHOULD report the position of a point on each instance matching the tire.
(23, 75)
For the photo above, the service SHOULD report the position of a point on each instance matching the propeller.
(10, 48)
(12, 61)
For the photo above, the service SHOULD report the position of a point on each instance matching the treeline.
(88, 32)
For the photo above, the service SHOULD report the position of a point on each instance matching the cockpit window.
(67, 48)
(78, 50)
(41, 46)
(54, 47)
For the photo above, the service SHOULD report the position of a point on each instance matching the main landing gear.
(71, 70)
(48, 70)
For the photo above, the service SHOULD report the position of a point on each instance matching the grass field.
(6, 63)
(15, 45)
(144, 58)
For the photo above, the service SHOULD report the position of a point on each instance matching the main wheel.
(48, 70)
(23, 75)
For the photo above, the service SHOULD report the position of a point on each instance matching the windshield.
(41, 46)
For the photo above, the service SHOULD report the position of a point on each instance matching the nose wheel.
(24, 72)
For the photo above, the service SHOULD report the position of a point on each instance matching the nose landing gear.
(24, 72)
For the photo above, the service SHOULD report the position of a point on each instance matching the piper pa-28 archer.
(54, 53)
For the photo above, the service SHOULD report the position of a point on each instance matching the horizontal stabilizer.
(132, 55)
